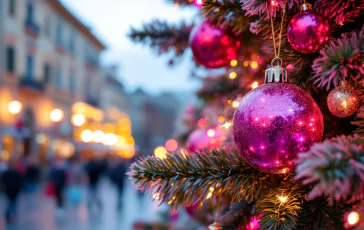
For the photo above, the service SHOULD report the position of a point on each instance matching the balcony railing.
(30, 82)
(31, 27)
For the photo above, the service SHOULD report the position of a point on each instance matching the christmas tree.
(297, 159)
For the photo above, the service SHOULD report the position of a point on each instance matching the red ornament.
(212, 46)
(308, 31)
(202, 139)
(275, 122)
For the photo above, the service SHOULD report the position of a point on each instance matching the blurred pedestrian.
(13, 182)
(75, 179)
(117, 176)
(32, 173)
(95, 168)
(58, 178)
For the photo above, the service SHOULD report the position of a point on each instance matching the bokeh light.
(110, 139)
(254, 64)
(86, 136)
(233, 63)
(160, 152)
(235, 104)
(14, 107)
(98, 136)
(211, 133)
(56, 115)
(232, 75)
(171, 145)
(255, 85)
(78, 120)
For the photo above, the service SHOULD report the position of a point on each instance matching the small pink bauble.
(212, 46)
(275, 122)
(198, 3)
(202, 139)
(308, 31)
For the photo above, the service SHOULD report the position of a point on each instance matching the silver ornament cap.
(277, 73)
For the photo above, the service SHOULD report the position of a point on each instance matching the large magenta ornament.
(308, 31)
(275, 122)
(212, 46)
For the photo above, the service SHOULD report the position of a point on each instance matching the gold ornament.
(343, 100)
(215, 226)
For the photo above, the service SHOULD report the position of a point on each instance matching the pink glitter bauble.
(212, 46)
(202, 139)
(275, 122)
(308, 31)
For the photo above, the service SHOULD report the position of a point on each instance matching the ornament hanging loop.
(278, 61)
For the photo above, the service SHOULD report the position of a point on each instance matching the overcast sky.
(110, 20)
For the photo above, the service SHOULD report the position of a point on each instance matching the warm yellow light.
(282, 199)
(344, 103)
(235, 104)
(232, 75)
(255, 85)
(221, 119)
(156, 196)
(209, 195)
(233, 63)
(56, 115)
(254, 64)
(246, 63)
(353, 218)
(78, 119)
(160, 152)
(14, 107)
(98, 136)
(227, 125)
(86, 136)
(210, 132)
(110, 139)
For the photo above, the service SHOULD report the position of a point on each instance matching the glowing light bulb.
(156, 196)
(235, 104)
(210, 132)
(254, 64)
(86, 136)
(233, 63)
(110, 139)
(344, 103)
(282, 199)
(14, 107)
(232, 75)
(255, 85)
(78, 120)
(56, 115)
(246, 63)
(274, 3)
(209, 195)
(353, 218)
(160, 152)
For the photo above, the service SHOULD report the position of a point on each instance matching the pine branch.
(259, 7)
(340, 11)
(281, 207)
(181, 180)
(335, 168)
(341, 58)
(226, 13)
(163, 37)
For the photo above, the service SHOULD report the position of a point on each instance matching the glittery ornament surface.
(343, 101)
(209, 138)
(275, 122)
(213, 47)
(308, 31)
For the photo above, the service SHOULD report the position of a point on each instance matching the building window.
(30, 12)
(12, 6)
(29, 67)
(72, 42)
(72, 83)
(59, 34)
(47, 26)
(47, 73)
(10, 59)
(59, 79)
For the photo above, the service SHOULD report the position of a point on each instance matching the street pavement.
(38, 212)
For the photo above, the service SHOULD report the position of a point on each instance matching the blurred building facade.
(52, 86)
